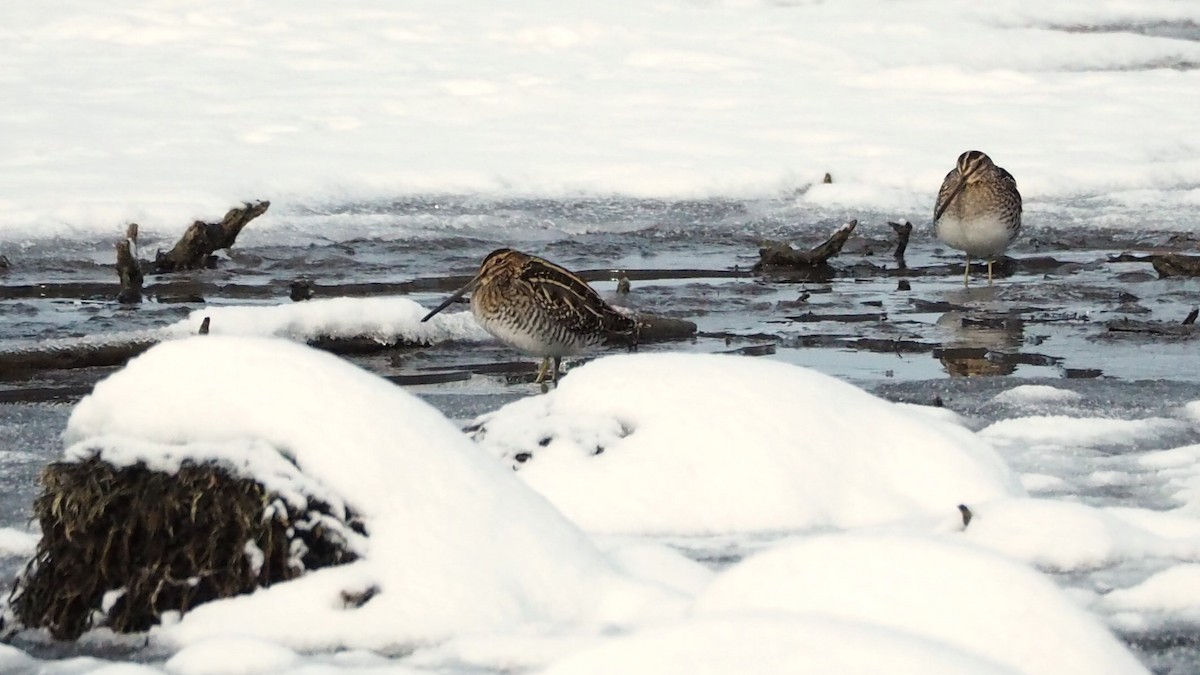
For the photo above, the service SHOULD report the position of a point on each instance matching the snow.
(15, 543)
(955, 594)
(643, 443)
(767, 529)
(163, 114)
(433, 504)
(1079, 431)
(231, 656)
(1034, 395)
(1175, 589)
(1068, 537)
(773, 644)
(387, 320)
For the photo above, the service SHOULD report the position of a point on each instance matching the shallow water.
(911, 334)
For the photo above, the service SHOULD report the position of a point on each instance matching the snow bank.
(387, 320)
(457, 543)
(945, 591)
(701, 443)
(170, 114)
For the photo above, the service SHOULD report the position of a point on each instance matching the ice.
(168, 114)
(703, 444)
(947, 591)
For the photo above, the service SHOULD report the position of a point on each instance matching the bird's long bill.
(945, 204)
(457, 294)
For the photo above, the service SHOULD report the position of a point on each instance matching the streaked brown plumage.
(539, 308)
(978, 209)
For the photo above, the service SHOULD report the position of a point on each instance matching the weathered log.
(1152, 327)
(1176, 265)
(69, 355)
(196, 247)
(128, 268)
(780, 255)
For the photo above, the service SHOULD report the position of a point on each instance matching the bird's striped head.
(499, 264)
(973, 164)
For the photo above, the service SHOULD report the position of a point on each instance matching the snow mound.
(953, 593)
(386, 320)
(231, 656)
(1027, 395)
(703, 444)
(1175, 589)
(1080, 431)
(434, 506)
(770, 644)
(1065, 536)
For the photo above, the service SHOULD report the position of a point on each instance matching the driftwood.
(128, 268)
(781, 256)
(1176, 265)
(196, 247)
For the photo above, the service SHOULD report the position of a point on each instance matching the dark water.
(910, 333)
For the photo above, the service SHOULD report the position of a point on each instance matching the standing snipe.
(978, 210)
(539, 308)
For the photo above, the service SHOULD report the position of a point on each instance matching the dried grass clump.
(123, 545)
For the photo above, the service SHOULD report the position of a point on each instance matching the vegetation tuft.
(121, 546)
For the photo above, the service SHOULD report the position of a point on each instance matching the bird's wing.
(570, 299)
(949, 189)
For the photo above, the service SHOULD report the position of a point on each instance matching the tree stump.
(903, 231)
(128, 268)
(196, 247)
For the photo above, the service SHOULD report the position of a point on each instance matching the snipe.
(978, 210)
(540, 308)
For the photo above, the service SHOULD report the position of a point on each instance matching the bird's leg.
(989, 272)
(967, 273)
(557, 363)
(542, 369)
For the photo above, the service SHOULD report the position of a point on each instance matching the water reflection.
(979, 344)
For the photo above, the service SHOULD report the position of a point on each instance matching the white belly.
(986, 237)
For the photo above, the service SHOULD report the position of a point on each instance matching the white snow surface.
(385, 319)
(434, 505)
(1035, 394)
(943, 590)
(643, 443)
(162, 113)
